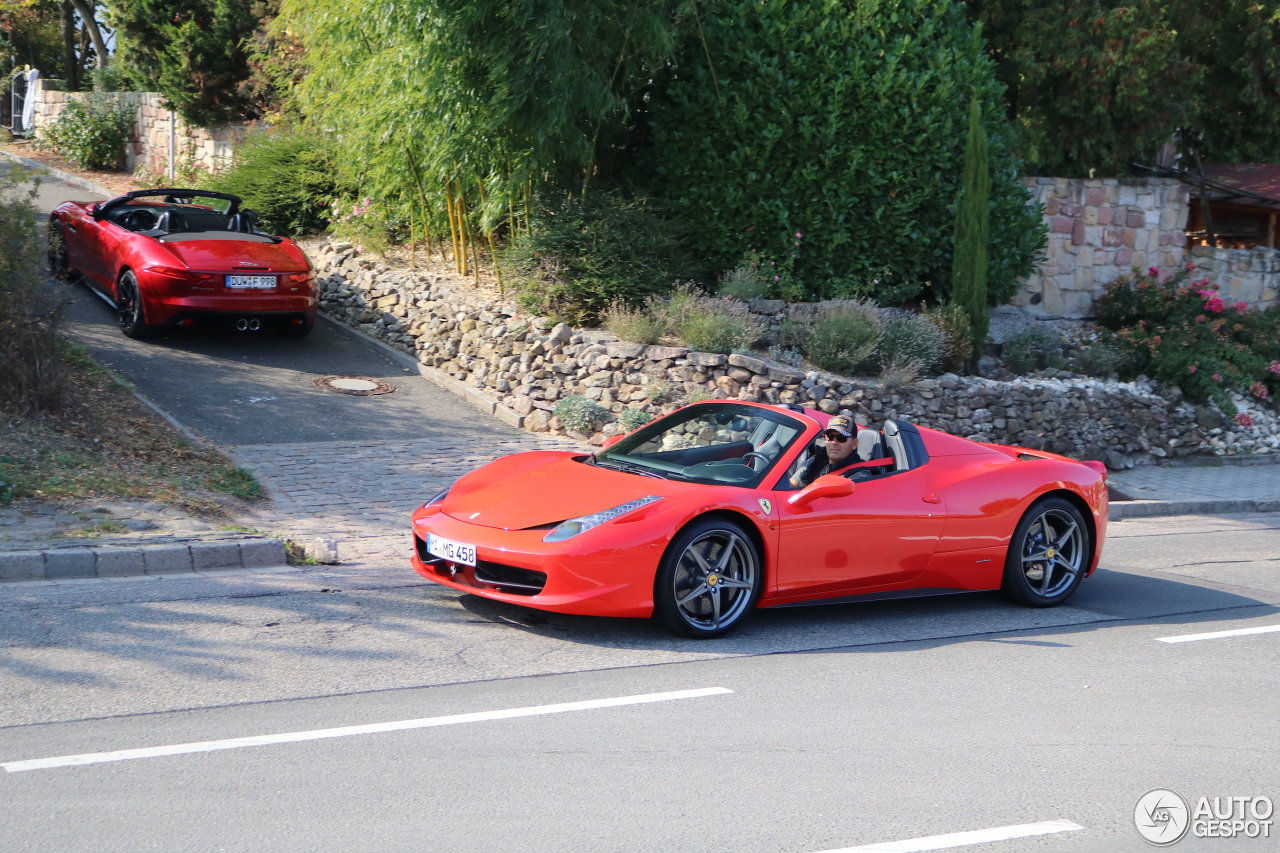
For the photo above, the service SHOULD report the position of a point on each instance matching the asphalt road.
(847, 725)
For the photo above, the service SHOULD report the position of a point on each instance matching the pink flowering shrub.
(1179, 332)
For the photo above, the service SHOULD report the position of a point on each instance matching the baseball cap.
(842, 424)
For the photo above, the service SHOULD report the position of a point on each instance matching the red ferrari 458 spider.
(694, 519)
(169, 257)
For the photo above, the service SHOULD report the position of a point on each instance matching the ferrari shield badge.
(766, 506)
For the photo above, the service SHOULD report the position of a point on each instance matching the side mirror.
(826, 486)
(611, 441)
(92, 210)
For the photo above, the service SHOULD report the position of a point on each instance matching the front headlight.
(568, 529)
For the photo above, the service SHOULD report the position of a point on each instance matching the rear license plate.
(454, 552)
(252, 282)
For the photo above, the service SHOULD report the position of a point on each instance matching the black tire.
(709, 579)
(301, 331)
(130, 310)
(59, 267)
(1048, 555)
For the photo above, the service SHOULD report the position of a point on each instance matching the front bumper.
(608, 571)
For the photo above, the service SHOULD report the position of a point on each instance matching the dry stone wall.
(518, 367)
(207, 148)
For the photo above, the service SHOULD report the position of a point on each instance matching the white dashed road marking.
(347, 731)
(1217, 635)
(964, 839)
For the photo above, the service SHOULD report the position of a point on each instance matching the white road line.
(964, 839)
(1238, 632)
(346, 731)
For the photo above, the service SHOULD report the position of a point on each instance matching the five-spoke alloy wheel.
(129, 308)
(1049, 554)
(709, 579)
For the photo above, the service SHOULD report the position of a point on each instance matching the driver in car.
(839, 452)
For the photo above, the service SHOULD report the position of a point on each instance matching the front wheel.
(1048, 556)
(129, 308)
(709, 579)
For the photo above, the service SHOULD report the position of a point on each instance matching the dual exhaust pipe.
(244, 325)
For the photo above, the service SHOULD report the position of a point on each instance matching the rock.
(1209, 417)
(746, 362)
(658, 353)
(625, 350)
(321, 550)
(562, 333)
(766, 306)
(988, 365)
(707, 359)
(786, 376)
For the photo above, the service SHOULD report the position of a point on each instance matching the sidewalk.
(1196, 489)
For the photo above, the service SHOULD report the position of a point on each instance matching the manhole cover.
(359, 386)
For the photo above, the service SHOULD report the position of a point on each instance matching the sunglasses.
(832, 435)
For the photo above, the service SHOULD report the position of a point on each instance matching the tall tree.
(191, 51)
(973, 231)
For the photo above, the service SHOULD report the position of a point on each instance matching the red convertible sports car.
(166, 257)
(694, 519)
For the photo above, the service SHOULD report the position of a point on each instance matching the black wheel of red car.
(709, 579)
(129, 308)
(1049, 554)
(59, 268)
(299, 331)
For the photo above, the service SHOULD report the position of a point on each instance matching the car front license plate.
(454, 552)
(252, 282)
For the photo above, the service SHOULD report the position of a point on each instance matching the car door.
(884, 533)
(80, 233)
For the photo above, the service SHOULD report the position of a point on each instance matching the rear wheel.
(1049, 554)
(709, 579)
(59, 267)
(129, 308)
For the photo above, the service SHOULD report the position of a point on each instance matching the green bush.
(288, 175)
(633, 419)
(828, 137)
(578, 414)
(92, 133)
(583, 254)
(1183, 333)
(843, 338)
(910, 339)
(746, 281)
(1099, 360)
(711, 324)
(1033, 348)
(953, 320)
(32, 371)
(637, 325)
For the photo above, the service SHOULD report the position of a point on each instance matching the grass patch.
(95, 530)
(238, 482)
(103, 442)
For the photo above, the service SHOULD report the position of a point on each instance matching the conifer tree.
(969, 264)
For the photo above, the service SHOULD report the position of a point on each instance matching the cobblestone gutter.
(518, 367)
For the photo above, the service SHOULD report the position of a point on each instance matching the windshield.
(713, 443)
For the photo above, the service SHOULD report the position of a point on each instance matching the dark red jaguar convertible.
(175, 257)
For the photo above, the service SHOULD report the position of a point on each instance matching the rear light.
(301, 277)
(182, 275)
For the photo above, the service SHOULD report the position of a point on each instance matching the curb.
(1154, 509)
(65, 177)
(60, 564)
(482, 400)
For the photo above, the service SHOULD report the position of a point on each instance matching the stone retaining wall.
(518, 367)
(1100, 229)
(209, 148)
(1251, 276)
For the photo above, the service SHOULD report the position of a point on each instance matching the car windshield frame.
(714, 469)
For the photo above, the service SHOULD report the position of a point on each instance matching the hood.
(226, 255)
(542, 488)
